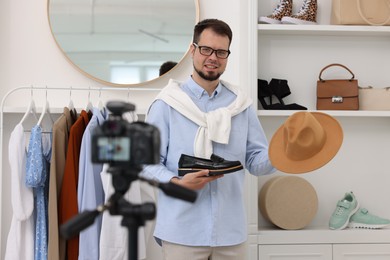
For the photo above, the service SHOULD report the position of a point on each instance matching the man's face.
(211, 67)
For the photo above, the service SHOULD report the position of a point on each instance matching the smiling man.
(201, 117)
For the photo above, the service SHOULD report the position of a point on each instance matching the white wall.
(33, 57)
(29, 55)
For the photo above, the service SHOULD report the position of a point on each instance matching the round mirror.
(123, 42)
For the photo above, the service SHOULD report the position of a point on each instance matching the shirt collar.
(198, 91)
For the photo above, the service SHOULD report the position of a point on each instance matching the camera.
(124, 144)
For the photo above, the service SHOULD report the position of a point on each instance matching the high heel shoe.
(263, 92)
(280, 89)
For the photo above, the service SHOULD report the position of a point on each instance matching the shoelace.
(339, 211)
(304, 7)
(278, 8)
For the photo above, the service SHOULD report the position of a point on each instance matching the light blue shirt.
(90, 192)
(217, 218)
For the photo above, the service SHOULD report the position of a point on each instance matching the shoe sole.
(366, 226)
(267, 20)
(291, 20)
(183, 171)
(347, 222)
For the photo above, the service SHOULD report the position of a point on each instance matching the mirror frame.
(185, 55)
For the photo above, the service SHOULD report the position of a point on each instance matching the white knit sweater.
(214, 125)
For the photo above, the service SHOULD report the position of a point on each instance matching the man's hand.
(195, 180)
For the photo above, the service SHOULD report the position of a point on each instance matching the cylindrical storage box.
(289, 202)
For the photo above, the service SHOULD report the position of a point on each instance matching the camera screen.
(113, 148)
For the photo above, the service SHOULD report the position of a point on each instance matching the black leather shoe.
(216, 165)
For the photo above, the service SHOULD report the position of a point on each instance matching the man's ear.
(192, 49)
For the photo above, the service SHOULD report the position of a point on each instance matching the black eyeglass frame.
(213, 50)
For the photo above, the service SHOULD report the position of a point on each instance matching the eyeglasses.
(207, 51)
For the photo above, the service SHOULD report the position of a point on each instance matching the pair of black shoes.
(278, 88)
(216, 165)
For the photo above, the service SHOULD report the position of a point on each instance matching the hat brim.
(334, 139)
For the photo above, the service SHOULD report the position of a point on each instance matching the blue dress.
(37, 177)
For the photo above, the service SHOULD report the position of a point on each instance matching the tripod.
(134, 216)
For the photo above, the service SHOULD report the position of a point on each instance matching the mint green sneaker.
(345, 208)
(363, 219)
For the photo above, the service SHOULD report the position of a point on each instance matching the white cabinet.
(298, 53)
(295, 252)
(361, 252)
(325, 252)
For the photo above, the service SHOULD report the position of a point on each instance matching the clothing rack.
(31, 89)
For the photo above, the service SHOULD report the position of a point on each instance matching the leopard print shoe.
(306, 15)
(284, 8)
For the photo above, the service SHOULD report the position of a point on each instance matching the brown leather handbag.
(337, 94)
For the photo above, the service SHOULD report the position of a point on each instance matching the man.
(200, 117)
(166, 66)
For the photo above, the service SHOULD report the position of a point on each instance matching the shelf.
(336, 113)
(323, 235)
(323, 30)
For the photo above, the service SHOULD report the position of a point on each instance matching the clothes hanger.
(100, 104)
(70, 105)
(31, 109)
(89, 104)
(45, 111)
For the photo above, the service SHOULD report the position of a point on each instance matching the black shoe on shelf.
(280, 88)
(216, 165)
(263, 92)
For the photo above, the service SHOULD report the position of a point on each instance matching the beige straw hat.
(305, 142)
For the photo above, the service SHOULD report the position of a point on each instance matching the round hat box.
(289, 202)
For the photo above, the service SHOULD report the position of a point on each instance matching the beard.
(209, 77)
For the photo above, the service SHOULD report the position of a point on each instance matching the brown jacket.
(68, 206)
(61, 129)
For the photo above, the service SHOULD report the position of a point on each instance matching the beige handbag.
(374, 98)
(360, 12)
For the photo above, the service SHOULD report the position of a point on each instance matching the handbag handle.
(366, 20)
(335, 64)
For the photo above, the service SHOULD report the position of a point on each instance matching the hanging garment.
(37, 177)
(20, 240)
(61, 129)
(90, 192)
(114, 237)
(114, 240)
(67, 207)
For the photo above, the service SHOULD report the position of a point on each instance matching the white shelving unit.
(298, 53)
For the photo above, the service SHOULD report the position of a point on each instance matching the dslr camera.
(125, 144)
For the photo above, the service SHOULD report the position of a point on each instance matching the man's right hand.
(195, 180)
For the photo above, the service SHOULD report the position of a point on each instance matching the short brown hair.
(218, 26)
(167, 66)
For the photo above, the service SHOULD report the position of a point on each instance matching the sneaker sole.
(291, 20)
(366, 226)
(183, 171)
(269, 20)
(347, 222)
